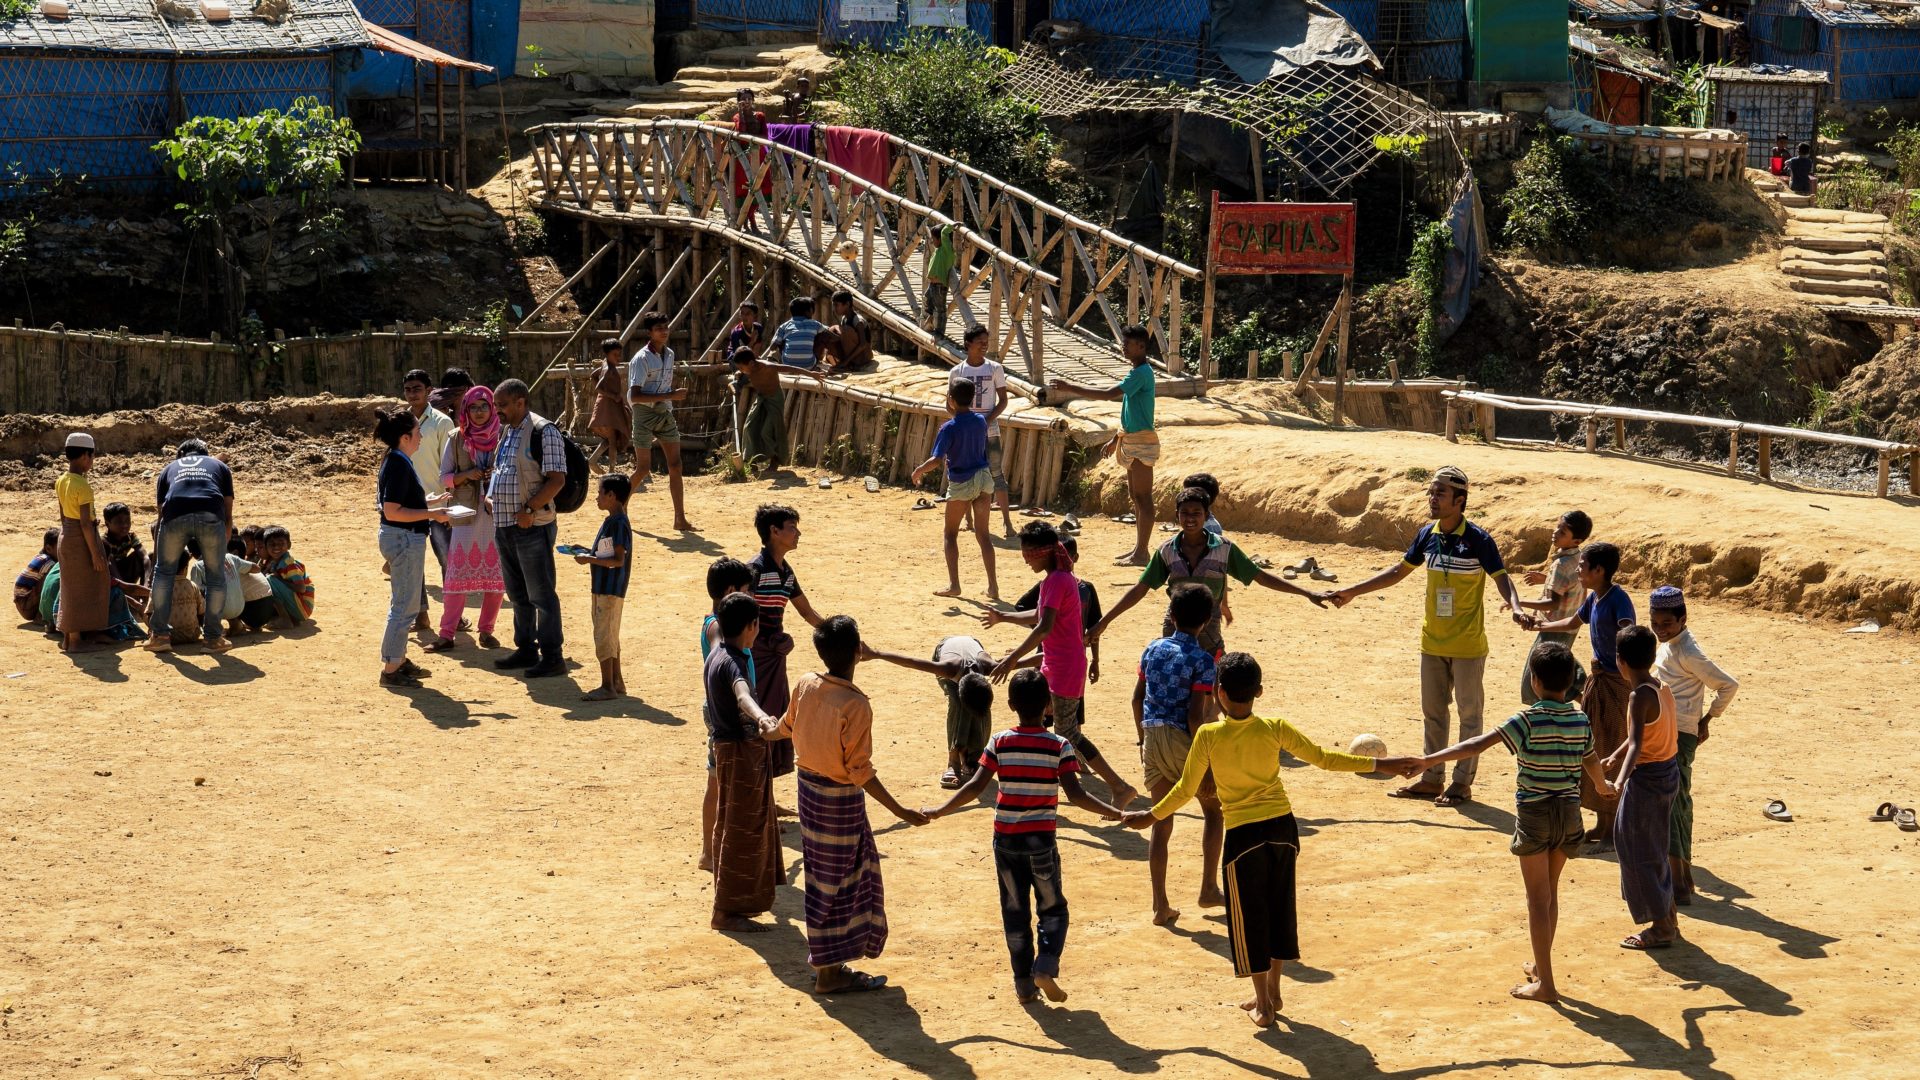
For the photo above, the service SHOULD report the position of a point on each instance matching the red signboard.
(1281, 238)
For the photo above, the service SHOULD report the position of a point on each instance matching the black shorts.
(1261, 922)
(258, 613)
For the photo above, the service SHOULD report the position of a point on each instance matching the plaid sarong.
(846, 906)
(1640, 830)
(1606, 709)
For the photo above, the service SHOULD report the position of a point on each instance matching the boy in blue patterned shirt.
(1552, 745)
(1169, 702)
(612, 562)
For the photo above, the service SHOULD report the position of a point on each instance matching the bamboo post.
(1173, 149)
(1259, 166)
(460, 82)
(1881, 483)
(1340, 360)
(1913, 473)
(1592, 427)
(1620, 433)
(1453, 422)
(1393, 371)
(1733, 452)
(1766, 456)
(1253, 363)
(1286, 363)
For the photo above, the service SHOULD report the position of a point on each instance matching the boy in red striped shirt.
(1033, 766)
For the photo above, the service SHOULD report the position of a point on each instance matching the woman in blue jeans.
(403, 541)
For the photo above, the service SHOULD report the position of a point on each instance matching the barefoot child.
(725, 577)
(612, 562)
(763, 430)
(1169, 704)
(746, 840)
(961, 446)
(1685, 670)
(1137, 447)
(651, 393)
(990, 399)
(1646, 773)
(831, 722)
(292, 588)
(127, 561)
(1552, 746)
(1034, 765)
(969, 702)
(1606, 611)
(1061, 637)
(1263, 840)
(1562, 594)
(612, 417)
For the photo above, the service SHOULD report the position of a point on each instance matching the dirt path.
(483, 879)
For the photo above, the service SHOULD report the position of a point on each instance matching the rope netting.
(1326, 124)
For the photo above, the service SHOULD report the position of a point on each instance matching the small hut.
(89, 94)
(1870, 51)
(1764, 103)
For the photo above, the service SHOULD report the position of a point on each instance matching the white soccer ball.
(1372, 746)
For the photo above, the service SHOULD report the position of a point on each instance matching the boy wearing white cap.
(1682, 668)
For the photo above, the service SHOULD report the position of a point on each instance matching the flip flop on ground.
(923, 503)
(1886, 811)
(1777, 810)
(1643, 942)
(856, 982)
(1414, 791)
(1454, 796)
(1907, 823)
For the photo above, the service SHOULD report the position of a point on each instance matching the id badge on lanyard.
(1443, 596)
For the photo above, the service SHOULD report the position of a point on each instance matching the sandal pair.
(1886, 811)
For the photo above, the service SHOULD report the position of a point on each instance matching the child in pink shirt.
(1061, 637)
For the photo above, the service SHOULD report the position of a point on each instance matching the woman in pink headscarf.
(473, 562)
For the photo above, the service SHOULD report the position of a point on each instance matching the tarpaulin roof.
(385, 40)
(132, 26)
(1260, 39)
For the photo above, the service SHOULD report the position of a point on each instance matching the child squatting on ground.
(1033, 766)
(1552, 746)
(1263, 840)
(612, 562)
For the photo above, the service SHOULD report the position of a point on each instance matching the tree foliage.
(942, 90)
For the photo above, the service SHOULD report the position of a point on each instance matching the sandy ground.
(489, 878)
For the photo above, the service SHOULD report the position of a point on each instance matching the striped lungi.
(747, 860)
(846, 907)
(1640, 833)
(1606, 709)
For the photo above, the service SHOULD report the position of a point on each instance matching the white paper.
(887, 11)
(937, 13)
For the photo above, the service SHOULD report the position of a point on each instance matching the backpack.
(572, 494)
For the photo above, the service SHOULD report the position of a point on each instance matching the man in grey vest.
(529, 469)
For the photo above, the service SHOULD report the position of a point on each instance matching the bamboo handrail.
(1575, 408)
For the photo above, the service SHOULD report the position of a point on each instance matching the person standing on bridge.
(1459, 557)
(1137, 447)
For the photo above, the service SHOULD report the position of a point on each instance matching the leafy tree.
(264, 167)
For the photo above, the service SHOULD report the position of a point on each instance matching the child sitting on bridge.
(796, 342)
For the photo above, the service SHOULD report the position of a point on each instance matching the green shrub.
(1564, 202)
(1427, 272)
(1543, 216)
(943, 92)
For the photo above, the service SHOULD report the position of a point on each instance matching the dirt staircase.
(1830, 256)
(710, 85)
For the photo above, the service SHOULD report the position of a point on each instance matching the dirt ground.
(489, 878)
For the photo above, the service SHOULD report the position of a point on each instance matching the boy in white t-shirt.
(989, 379)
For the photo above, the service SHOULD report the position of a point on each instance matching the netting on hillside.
(1325, 125)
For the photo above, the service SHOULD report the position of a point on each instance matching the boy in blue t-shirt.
(1606, 611)
(612, 563)
(1169, 705)
(796, 341)
(962, 446)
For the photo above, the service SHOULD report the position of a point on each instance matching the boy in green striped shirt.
(1552, 744)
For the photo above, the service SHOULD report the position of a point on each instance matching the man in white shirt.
(436, 430)
(989, 379)
(1685, 670)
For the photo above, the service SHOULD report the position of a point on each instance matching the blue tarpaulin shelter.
(1872, 54)
(487, 31)
(90, 94)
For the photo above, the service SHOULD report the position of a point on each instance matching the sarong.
(764, 434)
(83, 590)
(286, 602)
(770, 689)
(846, 906)
(1606, 709)
(1640, 839)
(747, 861)
(1680, 835)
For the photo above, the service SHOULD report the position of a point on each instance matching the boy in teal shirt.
(1137, 447)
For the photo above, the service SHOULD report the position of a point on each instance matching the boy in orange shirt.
(831, 722)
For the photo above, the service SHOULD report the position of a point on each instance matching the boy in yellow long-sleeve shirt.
(1263, 841)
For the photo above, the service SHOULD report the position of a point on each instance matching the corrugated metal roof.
(1763, 73)
(1613, 10)
(1852, 14)
(134, 26)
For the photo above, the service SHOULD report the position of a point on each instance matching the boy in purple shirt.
(962, 446)
(1061, 637)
